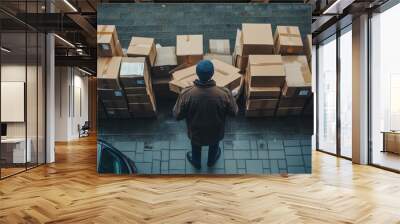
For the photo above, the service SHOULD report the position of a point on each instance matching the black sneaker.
(212, 162)
(190, 159)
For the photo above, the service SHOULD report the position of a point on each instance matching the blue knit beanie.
(205, 70)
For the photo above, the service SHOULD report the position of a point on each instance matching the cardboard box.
(264, 104)
(219, 46)
(162, 91)
(138, 98)
(259, 113)
(257, 39)
(143, 47)
(165, 61)
(263, 92)
(107, 72)
(292, 101)
(308, 49)
(110, 94)
(189, 49)
(135, 90)
(118, 113)
(224, 58)
(101, 113)
(288, 40)
(225, 75)
(108, 44)
(298, 77)
(289, 111)
(265, 71)
(119, 103)
(134, 72)
(147, 109)
(309, 108)
(238, 60)
(141, 107)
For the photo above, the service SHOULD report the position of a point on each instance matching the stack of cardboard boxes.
(276, 80)
(124, 83)
(165, 62)
(108, 44)
(112, 100)
(264, 77)
(296, 92)
(277, 76)
(253, 39)
(135, 76)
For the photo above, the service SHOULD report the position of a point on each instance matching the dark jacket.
(205, 106)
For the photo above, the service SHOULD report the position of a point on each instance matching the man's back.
(205, 106)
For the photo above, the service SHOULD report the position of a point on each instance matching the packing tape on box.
(141, 45)
(266, 63)
(290, 35)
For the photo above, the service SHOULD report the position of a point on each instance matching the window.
(385, 89)
(346, 92)
(327, 96)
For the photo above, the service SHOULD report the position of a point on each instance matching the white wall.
(69, 85)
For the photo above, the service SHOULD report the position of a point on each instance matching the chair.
(84, 130)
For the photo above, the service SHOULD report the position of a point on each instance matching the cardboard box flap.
(108, 67)
(266, 65)
(219, 46)
(166, 56)
(184, 73)
(224, 74)
(132, 67)
(288, 36)
(140, 45)
(189, 45)
(297, 72)
(257, 34)
(222, 57)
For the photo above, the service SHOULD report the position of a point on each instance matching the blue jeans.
(196, 152)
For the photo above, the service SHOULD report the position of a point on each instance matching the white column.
(50, 99)
(360, 90)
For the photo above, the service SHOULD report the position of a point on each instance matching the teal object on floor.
(111, 160)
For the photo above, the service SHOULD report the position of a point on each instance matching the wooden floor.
(70, 191)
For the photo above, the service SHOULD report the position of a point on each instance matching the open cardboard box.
(225, 75)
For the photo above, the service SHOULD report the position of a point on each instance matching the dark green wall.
(220, 20)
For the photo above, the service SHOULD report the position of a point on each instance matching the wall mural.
(204, 88)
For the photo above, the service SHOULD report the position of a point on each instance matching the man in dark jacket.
(205, 106)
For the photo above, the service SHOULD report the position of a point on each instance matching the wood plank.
(70, 191)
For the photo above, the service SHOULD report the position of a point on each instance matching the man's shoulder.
(224, 90)
(186, 90)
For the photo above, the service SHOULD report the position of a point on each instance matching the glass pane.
(327, 96)
(41, 99)
(13, 86)
(346, 94)
(385, 89)
(31, 97)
